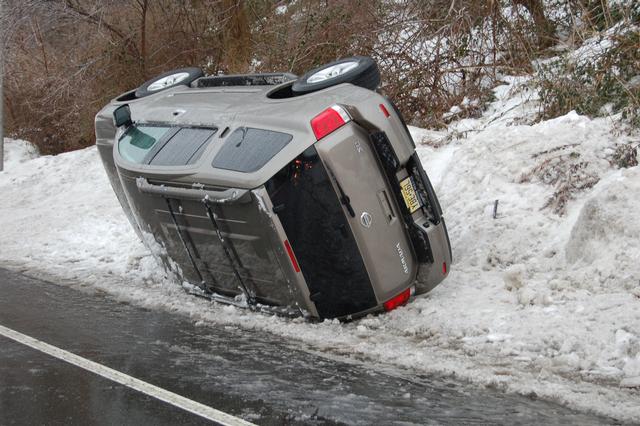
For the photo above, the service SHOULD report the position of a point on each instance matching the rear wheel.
(358, 70)
(179, 77)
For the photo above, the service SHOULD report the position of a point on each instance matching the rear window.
(247, 149)
(164, 145)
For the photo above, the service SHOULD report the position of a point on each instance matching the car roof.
(234, 107)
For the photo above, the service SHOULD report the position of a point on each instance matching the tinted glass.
(247, 150)
(184, 147)
(138, 141)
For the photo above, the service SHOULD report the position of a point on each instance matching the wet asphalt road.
(258, 377)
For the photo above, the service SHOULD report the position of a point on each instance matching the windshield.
(138, 140)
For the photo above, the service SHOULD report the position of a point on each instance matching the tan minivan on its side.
(300, 196)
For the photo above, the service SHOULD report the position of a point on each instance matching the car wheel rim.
(332, 71)
(167, 81)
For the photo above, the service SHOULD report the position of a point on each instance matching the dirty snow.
(536, 302)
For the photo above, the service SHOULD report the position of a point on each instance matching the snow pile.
(17, 151)
(59, 214)
(559, 296)
(537, 302)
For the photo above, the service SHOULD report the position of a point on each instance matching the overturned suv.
(300, 196)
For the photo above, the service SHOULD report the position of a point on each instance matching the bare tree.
(67, 58)
(545, 29)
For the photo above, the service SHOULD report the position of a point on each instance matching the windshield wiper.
(344, 198)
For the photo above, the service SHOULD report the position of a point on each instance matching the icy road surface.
(253, 375)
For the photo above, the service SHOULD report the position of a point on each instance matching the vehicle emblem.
(366, 219)
(358, 147)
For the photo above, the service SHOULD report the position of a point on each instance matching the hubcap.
(332, 71)
(167, 81)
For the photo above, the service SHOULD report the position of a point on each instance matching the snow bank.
(549, 294)
(17, 151)
(536, 303)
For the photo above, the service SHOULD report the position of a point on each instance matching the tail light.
(329, 121)
(399, 300)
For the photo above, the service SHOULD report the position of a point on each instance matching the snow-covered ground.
(536, 302)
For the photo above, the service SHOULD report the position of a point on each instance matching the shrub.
(600, 78)
(567, 172)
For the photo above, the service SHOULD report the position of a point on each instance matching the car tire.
(358, 70)
(178, 77)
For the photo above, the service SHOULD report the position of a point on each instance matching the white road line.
(128, 381)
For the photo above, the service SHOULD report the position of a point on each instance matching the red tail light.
(444, 268)
(329, 120)
(384, 110)
(398, 300)
(294, 262)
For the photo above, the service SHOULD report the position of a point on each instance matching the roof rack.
(263, 79)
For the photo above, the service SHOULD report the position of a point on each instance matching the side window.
(138, 141)
(185, 147)
(164, 146)
(247, 150)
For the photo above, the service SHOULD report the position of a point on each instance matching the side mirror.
(122, 116)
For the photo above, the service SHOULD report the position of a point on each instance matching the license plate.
(409, 194)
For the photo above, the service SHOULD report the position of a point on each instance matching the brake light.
(294, 262)
(444, 268)
(398, 300)
(329, 121)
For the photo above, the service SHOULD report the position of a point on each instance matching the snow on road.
(536, 302)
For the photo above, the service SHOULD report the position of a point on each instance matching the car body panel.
(321, 238)
(383, 244)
